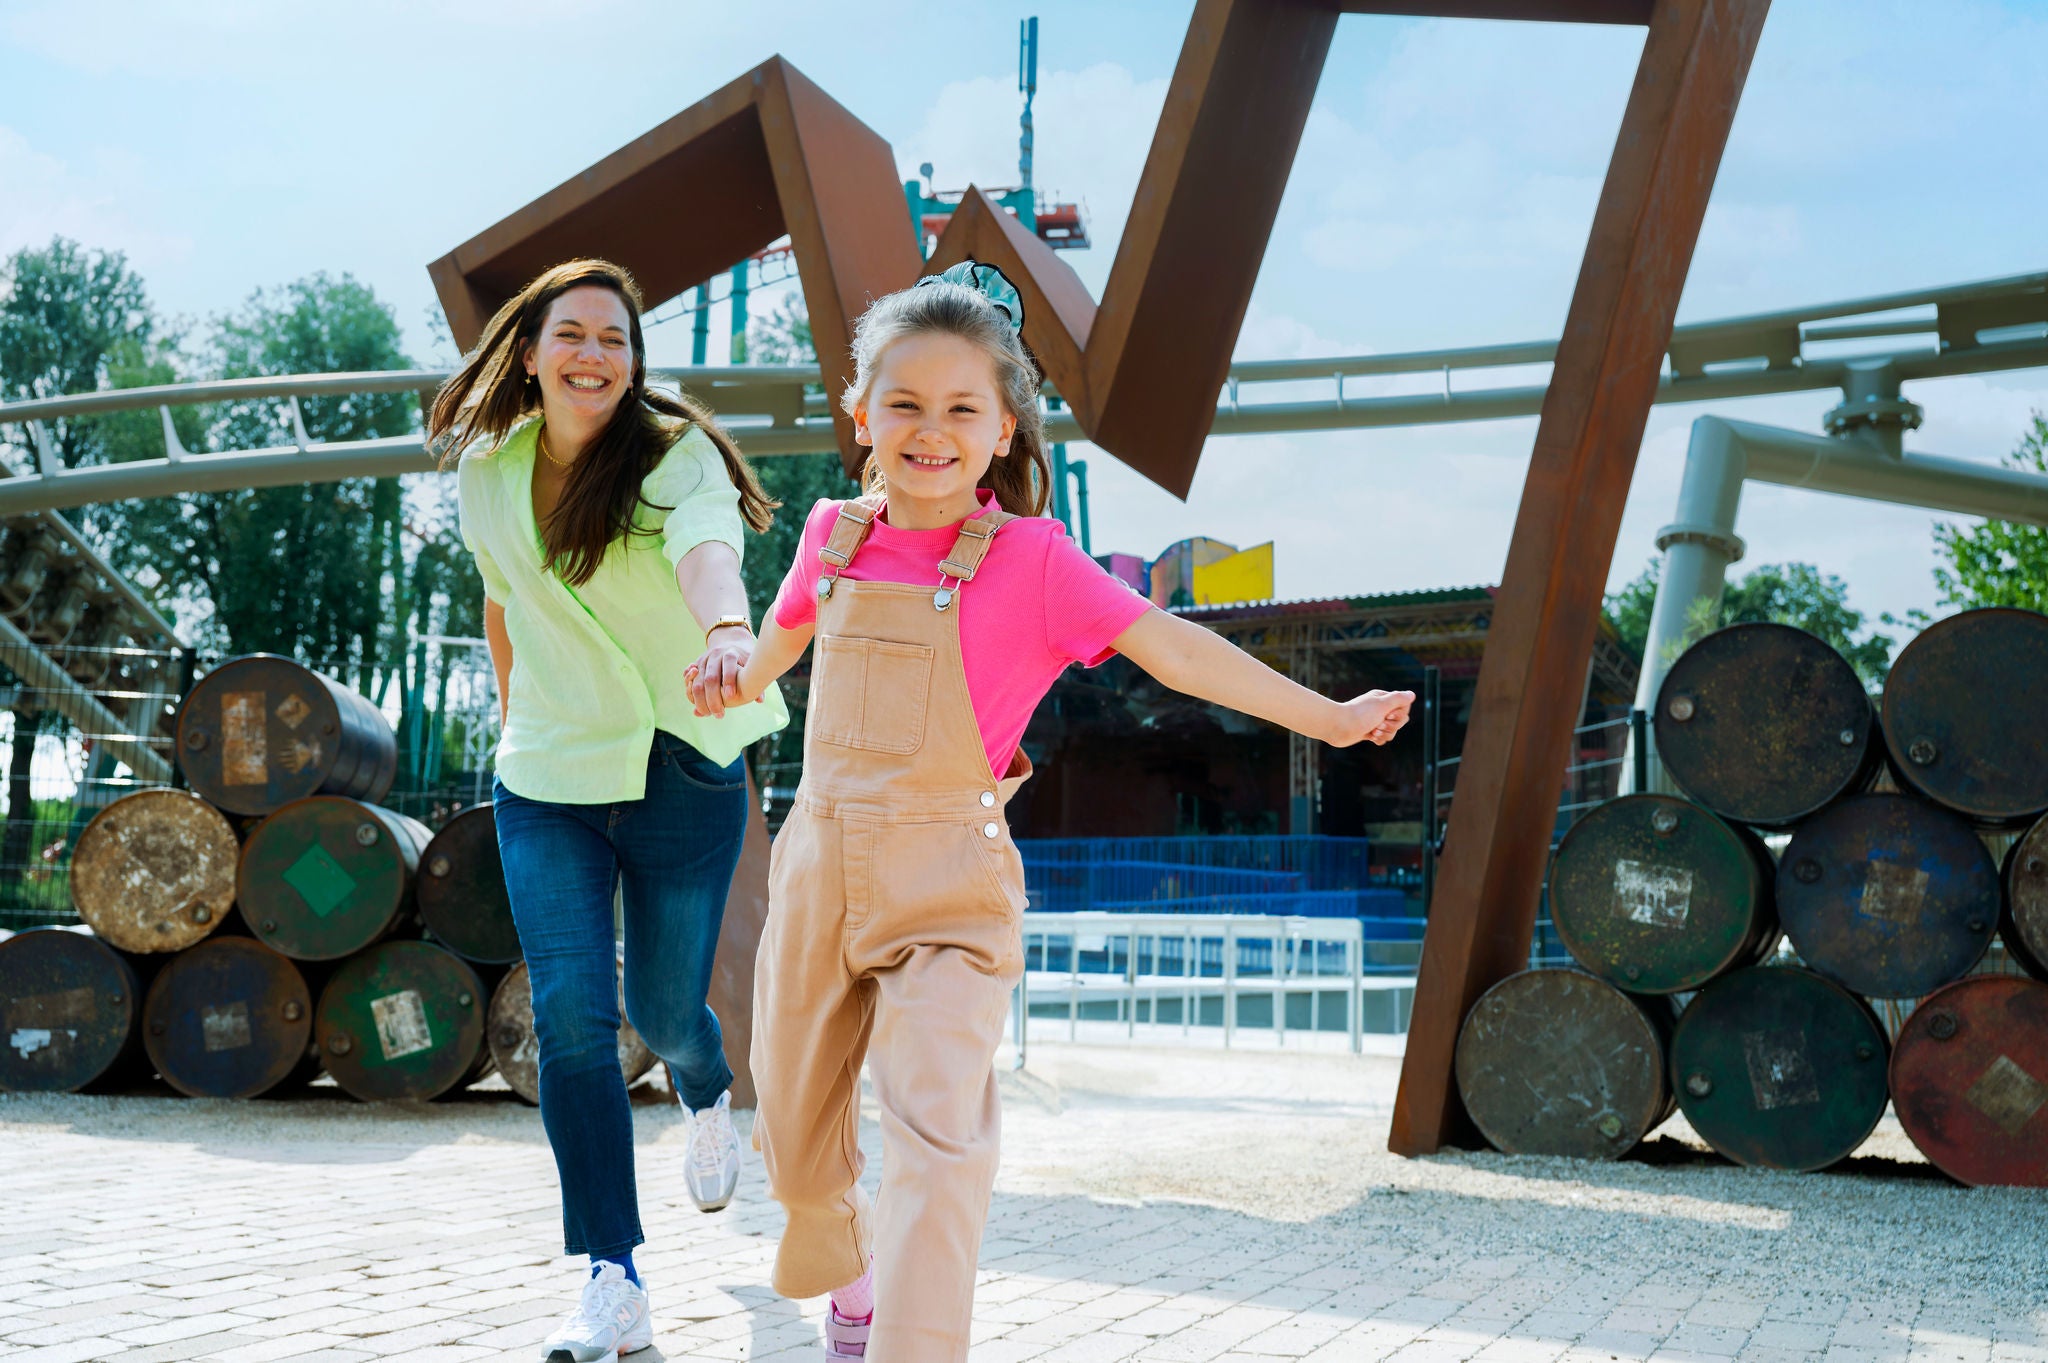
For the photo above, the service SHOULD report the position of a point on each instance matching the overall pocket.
(870, 694)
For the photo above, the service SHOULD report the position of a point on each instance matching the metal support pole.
(700, 326)
(1079, 469)
(739, 313)
(1432, 752)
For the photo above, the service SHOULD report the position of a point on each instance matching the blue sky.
(1441, 197)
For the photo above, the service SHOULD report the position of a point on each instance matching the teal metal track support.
(739, 313)
(1079, 468)
(700, 326)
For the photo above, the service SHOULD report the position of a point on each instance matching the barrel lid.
(68, 1005)
(1888, 895)
(1557, 1062)
(1962, 710)
(1764, 724)
(515, 1050)
(1658, 894)
(155, 871)
(403, 1020)
(1778, 1068)
(229, 1018)
(1970, 1080)
(258, 731)
(326, 876)
(461, 887)
(2025, 925)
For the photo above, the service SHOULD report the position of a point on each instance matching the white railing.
(1139, 961)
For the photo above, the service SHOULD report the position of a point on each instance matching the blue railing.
(1326, 863)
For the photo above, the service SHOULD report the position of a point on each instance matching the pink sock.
(856, 1300)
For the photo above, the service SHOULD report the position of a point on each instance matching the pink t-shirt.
(1036, 604)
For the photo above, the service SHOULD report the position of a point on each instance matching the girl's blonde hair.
(1022, 480)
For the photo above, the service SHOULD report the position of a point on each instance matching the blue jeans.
(675, 849)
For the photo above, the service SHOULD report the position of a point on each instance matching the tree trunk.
(21, 817)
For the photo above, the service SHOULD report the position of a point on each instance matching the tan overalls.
(893, 934)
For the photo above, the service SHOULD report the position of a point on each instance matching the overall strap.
(849, 532)
(971, 545)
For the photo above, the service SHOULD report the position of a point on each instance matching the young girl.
(943, 608)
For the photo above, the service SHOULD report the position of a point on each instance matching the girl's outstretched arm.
(775, 652)
(1191, 659)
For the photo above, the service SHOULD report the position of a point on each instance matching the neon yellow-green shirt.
(596, 669)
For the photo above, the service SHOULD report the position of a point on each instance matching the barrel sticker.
(1892, 892)
(401, 1024)
(293, 710)
(1645, 892)
(2008, 1095)
(320, 880)
(244, 754)
(225, 1029)
(51, 1010)
(1780, 1075)
(300, 756)
(26, 1041)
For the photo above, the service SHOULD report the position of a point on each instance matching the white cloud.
(43, 198)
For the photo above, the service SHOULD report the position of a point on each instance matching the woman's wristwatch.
(737, 621)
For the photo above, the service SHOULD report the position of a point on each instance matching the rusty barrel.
(229, 1018)
(261, 731)
(68, 1004)
(2023, 926)
(326, 876)
(1888, 895)
(155, 871)
(1778, 1068)
(1765, 724)
(1962, 715)
(402, 1020)
(462, 895)
(1558, 1062)
(517, 1053)
(1970, 1080)
(1660, 895)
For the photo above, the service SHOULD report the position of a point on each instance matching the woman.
(606, 519)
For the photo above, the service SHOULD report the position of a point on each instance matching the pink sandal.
(845, 1339)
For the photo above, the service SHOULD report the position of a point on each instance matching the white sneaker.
(712, 1165)
(611, 1320)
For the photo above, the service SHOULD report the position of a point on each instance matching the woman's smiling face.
(583, 356)
(935, 419)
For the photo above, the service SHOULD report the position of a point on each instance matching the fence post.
(1432, 752)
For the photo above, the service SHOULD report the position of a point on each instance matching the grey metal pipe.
(63, 694)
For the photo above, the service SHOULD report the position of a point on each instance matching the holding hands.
(715, 678)
(1374, 717)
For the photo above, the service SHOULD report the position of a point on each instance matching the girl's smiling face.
(936, 421)
(583, 356)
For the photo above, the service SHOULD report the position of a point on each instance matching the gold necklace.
(549, 454)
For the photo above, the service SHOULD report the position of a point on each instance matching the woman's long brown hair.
(492, 393)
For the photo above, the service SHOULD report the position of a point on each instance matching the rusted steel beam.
(768, 153)
(1547, 612)
(1548, 11)
(1198, 228)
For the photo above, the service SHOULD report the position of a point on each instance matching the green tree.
(68, 318)
(1999, 563)
(1797, 594)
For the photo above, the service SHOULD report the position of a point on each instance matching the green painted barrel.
(68, 1004)
(260, 731)
(1780, 1069)
(402, 1020)
(229, 1018)
(1970, 1080)
(1765, 724)
(1660, 895)
(155, 871)
(2023, 925)
(462, 896)
(1962, 715)
(516, 1051)
(1888, 895)
(1557, 1062)
(326, 876)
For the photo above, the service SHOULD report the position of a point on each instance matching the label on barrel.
(1892, 892)
(224, 1029)
(1645, 892)
(244, 753)
(293, 710)
(320, 880)
(402, 1024)
(2008, 1095)
(1780, 1075)
(26, 1041)
(51, 1010)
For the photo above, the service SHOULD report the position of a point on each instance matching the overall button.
(989, 830)
(988, 799)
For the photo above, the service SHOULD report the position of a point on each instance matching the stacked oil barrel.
(276, 921)
(1887, 891)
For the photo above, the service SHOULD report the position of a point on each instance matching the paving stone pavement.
(1174, 1207)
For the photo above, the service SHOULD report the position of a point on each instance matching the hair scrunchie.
(990, 283)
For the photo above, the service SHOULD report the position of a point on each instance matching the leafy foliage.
(1797, 594)
(1999, 563)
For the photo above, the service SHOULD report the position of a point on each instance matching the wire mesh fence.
(103, 725)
